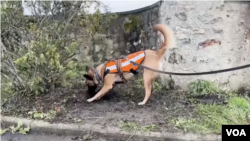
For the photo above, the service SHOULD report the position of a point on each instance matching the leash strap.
(119, 69)
(97, 76)
(198, 73)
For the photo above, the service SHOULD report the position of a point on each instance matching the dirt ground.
(51, 137)
(118, 106)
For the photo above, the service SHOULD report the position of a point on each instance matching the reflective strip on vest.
(137, 57)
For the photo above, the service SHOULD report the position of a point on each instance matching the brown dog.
(150, 59)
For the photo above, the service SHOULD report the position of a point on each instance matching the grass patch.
(6, 88)
(203, 88)
(158, 86)
(129, 126)
(134, 127)
(40, 115)
(16, 129)
(148, 128)
(209, 118)
(139, 82)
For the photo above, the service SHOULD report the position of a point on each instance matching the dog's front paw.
(90, 100)
(141, 103)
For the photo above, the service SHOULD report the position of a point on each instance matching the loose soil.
(118, 106)
(51, 137)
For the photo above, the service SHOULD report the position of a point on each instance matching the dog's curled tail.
(169, 39)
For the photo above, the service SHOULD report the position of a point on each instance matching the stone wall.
(210, 36)
(130, 32)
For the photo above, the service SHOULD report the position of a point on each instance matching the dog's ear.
(88, 77)
(87, 68)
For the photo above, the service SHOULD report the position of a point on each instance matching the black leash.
(97, 76)
(198, 73)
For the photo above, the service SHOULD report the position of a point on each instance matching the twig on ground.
(92, 117)
(130, 137)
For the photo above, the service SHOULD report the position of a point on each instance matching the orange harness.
(121, 65)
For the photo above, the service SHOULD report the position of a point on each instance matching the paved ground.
(51, 137)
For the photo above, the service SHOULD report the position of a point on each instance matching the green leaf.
(24, 131)
(19, 124)
(13, 129)
(3, 131)
(38, 115)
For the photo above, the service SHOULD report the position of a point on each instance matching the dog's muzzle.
(91, 89)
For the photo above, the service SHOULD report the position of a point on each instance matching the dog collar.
(97, 76)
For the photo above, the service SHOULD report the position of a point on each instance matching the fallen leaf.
(3, 131)
(209, 42)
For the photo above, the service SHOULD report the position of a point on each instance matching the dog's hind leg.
(148, 78)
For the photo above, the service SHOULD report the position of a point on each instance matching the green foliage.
(149, 128)
(209, 118)
(129, 126)
(134, 24)
(203, 87)
(18, 129)
(3, 131)
(40, 115)
(139, 83)
(40, 51)
(134, 127)
(158, 86)
(43, 63)
(6, 89)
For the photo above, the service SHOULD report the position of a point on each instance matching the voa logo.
(236, 132)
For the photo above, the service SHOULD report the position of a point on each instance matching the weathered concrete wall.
(194, 22)
(225, 26)
(131, 32)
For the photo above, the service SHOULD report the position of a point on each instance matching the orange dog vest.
(126, 66)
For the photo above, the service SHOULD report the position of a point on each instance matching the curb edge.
(112, 132)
